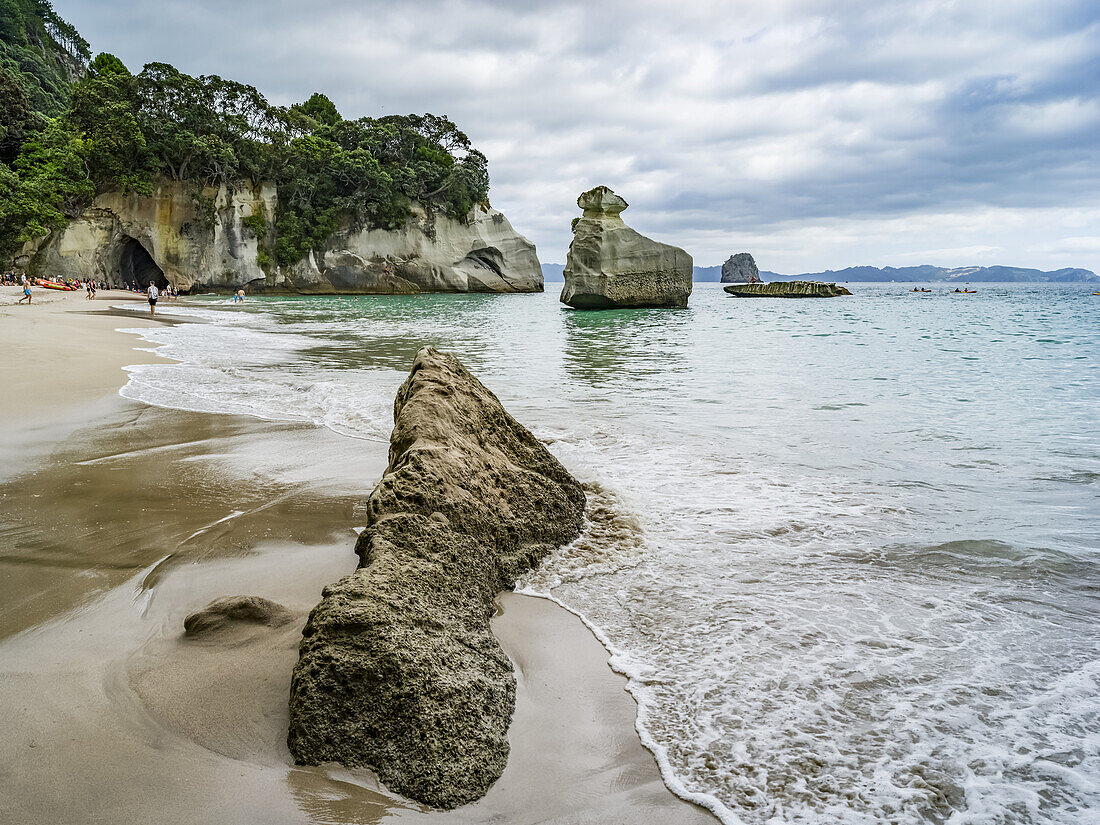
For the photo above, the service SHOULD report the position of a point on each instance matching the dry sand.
(118, 519)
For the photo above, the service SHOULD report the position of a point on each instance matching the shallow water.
(847, 550)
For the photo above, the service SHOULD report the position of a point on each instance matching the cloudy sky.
(813, 133)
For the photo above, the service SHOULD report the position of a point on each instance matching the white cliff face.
(204, 239)
(609, 265)
(194, 237)
(442, 255)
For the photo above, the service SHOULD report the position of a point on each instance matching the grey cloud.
(719, 122)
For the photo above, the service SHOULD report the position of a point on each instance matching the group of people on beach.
(90, 287)
(71, 284)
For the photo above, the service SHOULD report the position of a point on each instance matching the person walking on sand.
(26, 292)
(153, 295)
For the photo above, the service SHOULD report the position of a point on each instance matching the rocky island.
(398, 668)
(610, 266)
(740, 269)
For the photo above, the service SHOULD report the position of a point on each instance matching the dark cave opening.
(136, 266)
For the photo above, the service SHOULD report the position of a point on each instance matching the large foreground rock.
(786, 289)
(610, 266)
(224, 239)
(740, 269)
(398, 669)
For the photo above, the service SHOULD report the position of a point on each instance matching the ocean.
(847, 551)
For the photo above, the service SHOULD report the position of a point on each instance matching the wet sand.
(117, 520)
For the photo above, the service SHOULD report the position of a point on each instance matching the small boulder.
(230, 610)
(740, 269)
(610, 266)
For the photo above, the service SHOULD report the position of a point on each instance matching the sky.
(814, 134)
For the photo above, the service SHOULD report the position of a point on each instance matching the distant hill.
(964, 274)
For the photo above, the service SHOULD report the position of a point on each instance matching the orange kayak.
(52, 285)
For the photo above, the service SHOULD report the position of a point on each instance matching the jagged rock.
(740, 269)
(224, 612)
(398, 669)
(786, 289)
(200, 241)
(609, 265)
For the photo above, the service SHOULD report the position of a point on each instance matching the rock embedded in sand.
(786, 289)
(398, 669)
(611, 266)
(740, 269)
(230, 610)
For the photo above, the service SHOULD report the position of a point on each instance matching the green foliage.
(42, 52)
(256, 223)
(110, 130)
(319, 109)
(103, 113)
(47, 188)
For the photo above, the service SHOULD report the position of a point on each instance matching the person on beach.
(239, 297)
(26, 292)
(153, 294)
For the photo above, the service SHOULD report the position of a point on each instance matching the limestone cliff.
(206, 239)
(398, 669)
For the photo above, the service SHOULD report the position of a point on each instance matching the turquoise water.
(847, 550)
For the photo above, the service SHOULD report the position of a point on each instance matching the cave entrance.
(136, 266)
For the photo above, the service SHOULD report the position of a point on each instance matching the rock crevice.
(398, 669)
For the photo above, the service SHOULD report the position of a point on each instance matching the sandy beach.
(119, 519)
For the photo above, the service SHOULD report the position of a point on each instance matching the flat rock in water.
(786, 289)
(398, 669)
(231, 610)
(610, 266)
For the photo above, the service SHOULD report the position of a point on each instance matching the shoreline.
(124, 518)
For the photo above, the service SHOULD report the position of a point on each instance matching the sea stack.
(610, 266)
(398, 669)
(740, 269)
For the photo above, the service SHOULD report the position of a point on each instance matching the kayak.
(49, 285)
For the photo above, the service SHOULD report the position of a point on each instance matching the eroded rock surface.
(786, 289)
(740, 269)
(610, 266)
(398, 669)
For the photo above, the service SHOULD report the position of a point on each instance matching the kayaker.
(153, 295)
